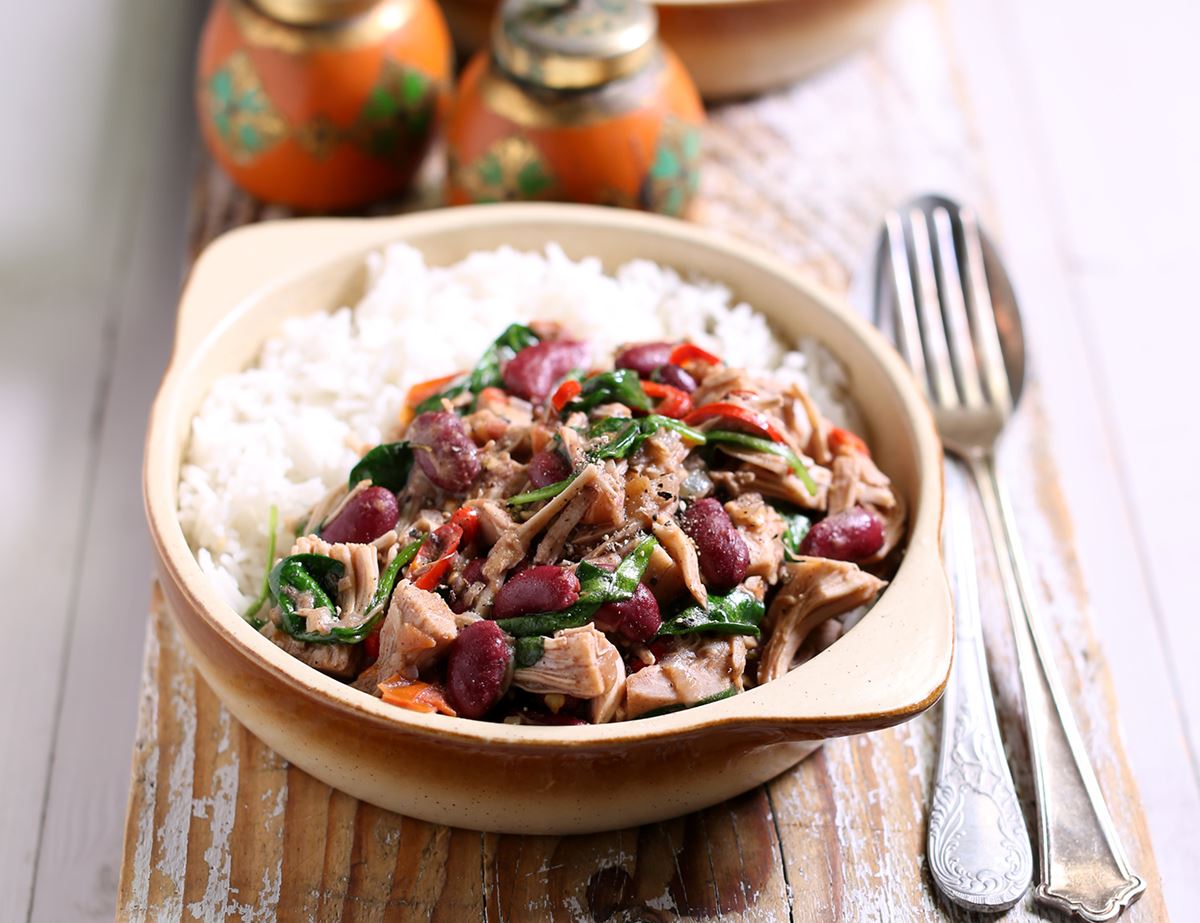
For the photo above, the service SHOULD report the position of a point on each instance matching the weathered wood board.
(220, 827)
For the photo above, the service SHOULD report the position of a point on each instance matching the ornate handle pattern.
(1082, 864)
(979, 852)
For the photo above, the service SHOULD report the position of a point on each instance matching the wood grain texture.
(220, 827)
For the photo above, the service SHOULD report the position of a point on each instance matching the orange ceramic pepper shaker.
(322, 104)
(576, 101)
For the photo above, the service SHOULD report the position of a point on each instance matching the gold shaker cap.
(313, 12)
(573, 44)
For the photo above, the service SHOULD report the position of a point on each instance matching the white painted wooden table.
(1085, 125)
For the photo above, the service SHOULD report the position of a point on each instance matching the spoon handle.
(1083, 866)
(979, 852)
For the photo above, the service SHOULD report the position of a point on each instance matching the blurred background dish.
(732, 48)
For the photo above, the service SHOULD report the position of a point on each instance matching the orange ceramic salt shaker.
(322, 104)
(576, 101)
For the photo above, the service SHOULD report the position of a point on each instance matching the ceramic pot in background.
(322, 104)
(576, 103)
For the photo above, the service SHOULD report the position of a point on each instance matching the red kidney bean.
(724, 557)
(366, 516)
(544, 588)
(473, 572)
(644, 358)
(676, 377)
(444, 450)
(850, 535)
(478, 669)
(636, 619)
(533, 372)
(547, 468)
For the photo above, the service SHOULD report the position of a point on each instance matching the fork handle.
(1083, 866)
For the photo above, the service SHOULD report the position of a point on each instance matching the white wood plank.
(1125, 159)
(1052, 105)
(90, 781)
(87, 313)
(60, 234)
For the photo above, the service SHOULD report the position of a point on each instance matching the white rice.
(332, 385)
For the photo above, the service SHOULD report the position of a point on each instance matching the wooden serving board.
(221, 827)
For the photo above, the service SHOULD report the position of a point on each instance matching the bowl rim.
(224, 285)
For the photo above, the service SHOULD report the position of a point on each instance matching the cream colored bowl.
(489, 776)
(731, 48)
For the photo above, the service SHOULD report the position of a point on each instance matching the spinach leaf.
(387, 465)
(625, 441)
(387, 580)
(315, 574)
(766, 445)
(307, 570)
(486, 373)
(547, 623)
(621, 386)
(251, 613)
(618, 585)
(631, 433)
(798, 524)
(671, 709)
(528, 651)
(596, 587)
(542, 493)
(735, 613)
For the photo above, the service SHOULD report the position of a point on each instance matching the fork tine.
(954, 311)
(933, 332)
(983, 314)
(908, 333)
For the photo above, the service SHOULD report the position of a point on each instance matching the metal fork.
(938, 275)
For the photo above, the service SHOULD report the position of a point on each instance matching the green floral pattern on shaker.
(240, 110)
(674, 175)
(399, 110)
(512, 169)
(395, 120)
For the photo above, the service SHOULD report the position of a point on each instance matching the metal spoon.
(955, 319)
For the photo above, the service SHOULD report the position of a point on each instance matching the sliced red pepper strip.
(447, 538)
(433, 575)
(423, 390)
(565, 393)
(675, 401)
(414, 695)
(745, 416)
(685, 352)
(842, 438)
(467, 519)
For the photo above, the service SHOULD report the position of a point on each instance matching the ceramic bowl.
(732, 48)
(891, 666)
